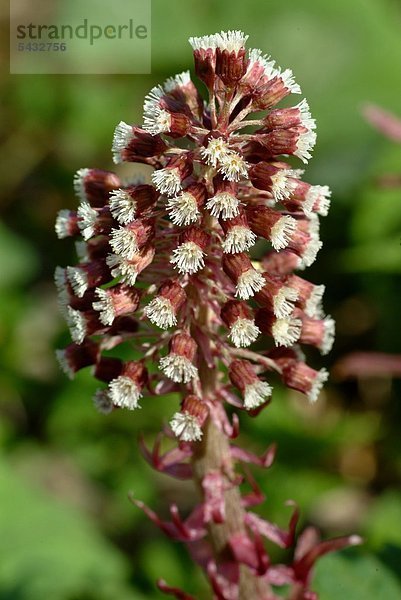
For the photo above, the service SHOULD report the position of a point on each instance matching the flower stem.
(213, 454)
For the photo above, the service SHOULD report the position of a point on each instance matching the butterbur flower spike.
(164, 265)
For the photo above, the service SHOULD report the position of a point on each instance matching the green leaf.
(354, 577)
(50, 550)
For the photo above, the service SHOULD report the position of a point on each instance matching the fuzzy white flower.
(179, 80)
(62, 224)
(305, 144)
(232, 41)
(156, 123)
(283, 184)
(186, 427)
(313, 305)
(283, 302)
(167, 181)
(287, 331)
(317, 385)
(78, 279)
(87, 222)
(305, 115)
(64, 364)
(102, 402)
(233, 167)
(79, 183)
(160, 312)
(238, 239)
(249, 283)
(243, 333)
(151, 104)
(122, 206)
(287, 77)
(223, 205)
(203, 43)
(256, 56)
(122, 137)
(328, 336)
(216, 150)
(320, 194)
(183, 209)
(124, 392)
(124, 242)
(77, 324)
(256, 394)
(188, 258)
(310, 251)
(122, 267)
(104, 305)
(280, 235)
(178, 368)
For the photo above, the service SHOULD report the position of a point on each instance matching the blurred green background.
(67, 529)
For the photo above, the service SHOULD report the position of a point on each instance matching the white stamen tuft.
(122, 206)
(79, 185)
(188, 258)
(256, 394)
(283, 186)
(159, 122)
(61, 225)
(186, 427)
(329, 335)
(104, 306)
(167, 181)
(78, 279)
(249, 283)
(223, 205)
(283, 302)
(313, 307)
(310, 252)
(287, 77)
(124, 242)
(64, 365)
(286, 332)
(203, 43)
(257, 56)
(124, 392)
(178, 368)
(122, 267)
(305, 144)
(77, 323)
(317, 385)
(151, 106)
(232, 41)
(233, 167)
(305, 115)
(322, 194)
(183, 209)
(87, 222)
(243, 333)
(179, 80)
(102, 402)
(238, 239)
(281, 232)
(61, 285)
(160, 312)
(122, 137)
(215, 152)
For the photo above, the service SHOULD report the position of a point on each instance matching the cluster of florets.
(166, 264)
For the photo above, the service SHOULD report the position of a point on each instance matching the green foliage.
(354, 577)
(48, 549)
